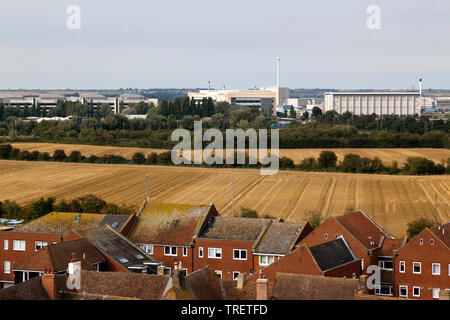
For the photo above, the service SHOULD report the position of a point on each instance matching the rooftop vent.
(123, 260)
(140, 257)
(115, 225)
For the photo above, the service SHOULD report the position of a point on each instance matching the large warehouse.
(380, 103)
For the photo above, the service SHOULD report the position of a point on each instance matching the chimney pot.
(262, 287)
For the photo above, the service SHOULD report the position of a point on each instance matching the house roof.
(115, 221)
(113, 285)
(279, 238)
(309, 287)
(443, 233)
(363, 228)
(171, 224)
(62, 222)
(116, 246)
(57, 257)
(204, 284)
(28, 290)
(388, 247)
(331, 254)
(244, 229)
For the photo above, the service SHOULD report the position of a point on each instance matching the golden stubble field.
(297, 155)
(392, 201)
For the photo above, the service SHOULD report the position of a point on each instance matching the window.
(325, 236)
(362, 265)
(416, 291)
(235, 275)
(449, 269)
(215, 253)
(402, 266)
(219, 273)
(167, 270)
(417, 266)
(38, 245)
(7, 267)
(185, 251)
(54, 242)
(436, 269)
(353, 275)
(170, 251)
(200, 252)
(431, 242)
(387, 265)
(147, 248)
(5, 244)
(266, 260)
(239, 254)
(19, 245)
(403, 291)
(436, 293)
(421, 241)
(335, 236)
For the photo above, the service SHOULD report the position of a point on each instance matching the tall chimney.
(49, 284)
(420, 87)
(241, 281)
(262, 287)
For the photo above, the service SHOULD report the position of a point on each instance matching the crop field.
(297, 155)
(392, 201)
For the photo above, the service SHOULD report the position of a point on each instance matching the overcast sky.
(181, 43)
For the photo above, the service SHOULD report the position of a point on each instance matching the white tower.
(278, 80)
(420, 87)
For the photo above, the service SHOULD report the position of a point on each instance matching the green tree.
(11, 210)
(75, 156)
(316, 111)
(91, 204)
(59, 155)
(327, 159)
(41, 207)
(286, 163)
(314, 219)
(138, 158)
(5, 151)
(415, 227)
(292, 113)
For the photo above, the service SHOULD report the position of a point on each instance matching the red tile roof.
(443, 233)
(363, 228)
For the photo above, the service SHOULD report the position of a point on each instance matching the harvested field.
(297, 155)
(392, 201)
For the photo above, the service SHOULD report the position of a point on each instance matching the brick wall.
(426, 254)
(16, 256)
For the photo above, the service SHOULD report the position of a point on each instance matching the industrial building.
(50, 101)
(379, 103)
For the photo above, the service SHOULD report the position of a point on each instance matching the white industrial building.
(379, 103)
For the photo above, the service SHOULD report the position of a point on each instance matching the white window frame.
(400, 265)
(449, 269)
(200, 252)
(216, 251)
(415, 295)
(7, 270)
(421, 241)
(39, 244)
(171, 254)
(185, 251)
(431, 242)
(235, 275)
(219, 273)
(325, 235)
(381, 264)
(432, 269)
(265, 257)
(433, 291)
(400, 291)
(148, 248)
(6, 244)
(19, 243)
(240, 254)
(420, 268)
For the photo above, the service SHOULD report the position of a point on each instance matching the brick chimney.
(48, 281)
(241, 281)
(362, 284)
(262, 288)
(178, 276)
(160, 270)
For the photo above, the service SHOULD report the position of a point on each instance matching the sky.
(232, 43)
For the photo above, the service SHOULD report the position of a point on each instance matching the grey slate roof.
(332, 254)
(279, 238)
(117, 247)
(244, 229)
(115, 221)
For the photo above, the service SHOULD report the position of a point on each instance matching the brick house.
(20, 243)
(167, 232)
(333, 258)
(362, 234)
(422, 266)
(231, 246)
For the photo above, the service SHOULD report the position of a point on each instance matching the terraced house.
(20, 243)
(167, 232)
(231, 246)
